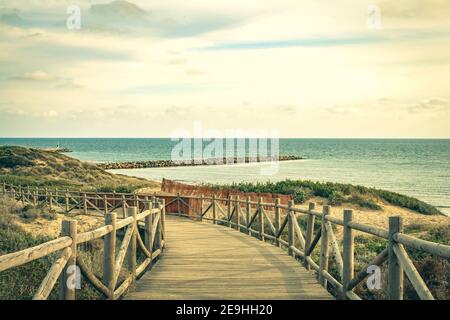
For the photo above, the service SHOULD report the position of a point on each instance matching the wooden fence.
(278, 224)
(183, 189)
(274, 222)
(143, 215)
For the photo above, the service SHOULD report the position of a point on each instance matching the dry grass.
(24, 166)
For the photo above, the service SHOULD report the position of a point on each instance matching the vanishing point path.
(207, 261)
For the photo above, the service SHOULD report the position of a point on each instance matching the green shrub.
(364, 202)
(30, 215)
(21, 283)
(302, 194)
(49, 215)
(434, 270)
(302, 190)
(118, 189)
(27, 207)
(6, 220)
(13, 161)
(336, 198)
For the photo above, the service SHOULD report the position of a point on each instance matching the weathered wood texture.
(206, 261)
(213, 262)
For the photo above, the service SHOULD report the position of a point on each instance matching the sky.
(316, 68)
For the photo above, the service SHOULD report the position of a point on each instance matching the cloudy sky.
(315, 68)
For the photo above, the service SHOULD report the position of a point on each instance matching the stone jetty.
(190, 162)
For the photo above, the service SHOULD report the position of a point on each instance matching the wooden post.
(395, 276)
(56, 196)
(105, 204)
(124, 206)
(277, 221)
(148, 239)
(131, 256)
(214, 208)
(136, 203)
(163, 220)
(50, 202)
(4, 188)
(13, 192)
(148, 222)
(109, 253)
(229, 211)
(309, 231)
(247, 214)
(66, 197)
(179, 204)
(290, 227)
(20, 194)
(324, 248)
(348, 252)
(237, 213)
(85, 209)
(260, 220)
(146, 204)
(69, 229)
(158, 235)
(35, 197)
(201, 208)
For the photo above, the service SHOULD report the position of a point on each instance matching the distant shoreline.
(190, 162)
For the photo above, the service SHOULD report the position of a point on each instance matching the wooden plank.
(412, 273)
(16, 259)
(348, 255)
(67, 292)
(395, 275)
(52, 276)
(196, 265)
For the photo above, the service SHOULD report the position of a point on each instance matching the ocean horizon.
(416, 167)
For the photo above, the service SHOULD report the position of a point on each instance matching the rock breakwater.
(190, 162)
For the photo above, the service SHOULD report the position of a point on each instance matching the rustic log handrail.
(66, 245)
(301, 244)
(251, 217)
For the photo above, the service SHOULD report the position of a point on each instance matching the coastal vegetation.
(47, 168)
(335, 193)
(36, 167)
(42, 168)
(21, 282)
(433, 269)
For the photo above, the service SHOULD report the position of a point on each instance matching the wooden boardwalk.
(207, 261)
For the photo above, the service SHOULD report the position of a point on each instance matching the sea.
(416, 167)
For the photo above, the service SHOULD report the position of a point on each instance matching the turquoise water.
(419, 168)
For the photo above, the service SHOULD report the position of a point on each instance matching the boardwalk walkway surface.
(206, 261)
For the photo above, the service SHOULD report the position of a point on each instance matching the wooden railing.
(75, 201)
(151, 220)
(271, 222)
(279, 224)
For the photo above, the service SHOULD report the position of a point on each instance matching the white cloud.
(132, 79)
(37, 76)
